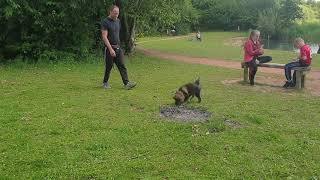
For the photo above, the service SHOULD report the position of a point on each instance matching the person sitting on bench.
(252, 54)
(304, 60)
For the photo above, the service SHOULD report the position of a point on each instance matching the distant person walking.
(174, 31)
(252, 54)
(198, 36)
(110, 30)
(318, 50)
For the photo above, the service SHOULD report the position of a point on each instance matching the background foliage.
(48, 29)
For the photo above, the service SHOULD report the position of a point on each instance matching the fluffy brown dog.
(186, 91)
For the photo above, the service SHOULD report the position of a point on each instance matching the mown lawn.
(58, 123)
(215, 45)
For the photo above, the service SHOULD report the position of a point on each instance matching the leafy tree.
(269, 22)
(36, 29)
(146, 16)
(290, 11)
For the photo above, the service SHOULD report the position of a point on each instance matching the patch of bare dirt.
(269, 84)
(233, 124)
(185, 114)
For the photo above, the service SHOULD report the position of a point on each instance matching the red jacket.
(305, 51)
(251, 50)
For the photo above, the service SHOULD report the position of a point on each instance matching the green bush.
(183, 28)
(37, 29)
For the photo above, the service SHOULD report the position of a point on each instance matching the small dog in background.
(186, 91)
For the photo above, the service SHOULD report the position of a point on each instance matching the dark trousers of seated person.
(288, 68)
(253, 67)
(119, 61)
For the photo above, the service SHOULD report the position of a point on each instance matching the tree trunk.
(128, 25)
(127, 33)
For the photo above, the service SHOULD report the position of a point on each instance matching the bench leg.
(298, 79)
(245, 74)
(303, 80)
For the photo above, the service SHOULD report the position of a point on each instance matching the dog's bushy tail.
(197, 82)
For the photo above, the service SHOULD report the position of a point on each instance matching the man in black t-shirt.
(110, 30)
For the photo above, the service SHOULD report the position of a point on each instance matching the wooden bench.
(300, 72)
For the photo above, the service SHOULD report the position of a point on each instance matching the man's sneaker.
(106, 86)
(130, 85)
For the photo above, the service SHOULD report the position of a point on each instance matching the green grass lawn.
(214, 46)
(58, 123)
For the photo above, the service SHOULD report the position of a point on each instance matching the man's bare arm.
(104, 34)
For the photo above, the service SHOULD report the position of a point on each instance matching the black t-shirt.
(113, 28)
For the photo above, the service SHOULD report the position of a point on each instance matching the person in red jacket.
(253, 51)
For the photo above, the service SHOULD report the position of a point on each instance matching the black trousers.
(253, 67)
(119, 61)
